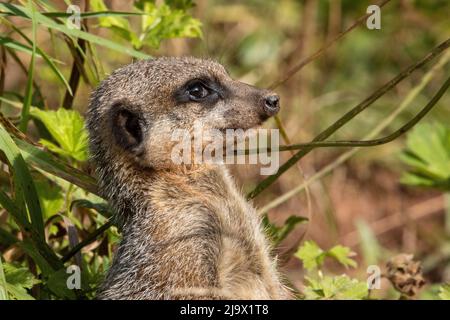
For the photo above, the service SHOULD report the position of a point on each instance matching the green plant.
(427, 155)
(67, 129)
(278, 234)
(321, 286)
(158, 22)
(17, 281)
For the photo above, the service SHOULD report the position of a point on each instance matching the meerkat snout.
(272, 104)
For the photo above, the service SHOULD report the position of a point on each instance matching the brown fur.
(188, 233)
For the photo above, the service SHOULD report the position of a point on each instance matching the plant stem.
(91, 238)
(348, 116)
(345, 156)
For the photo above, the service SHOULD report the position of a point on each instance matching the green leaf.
(50, 196)
(180, 4)
(311, 255)
(428, 156)
(108, 21)
(57, 283)
(163, 22)
(444, 292)
(18, 293)
(342, 255)
(119, 25)
(349, 289)
(67, 128)
(19, 276)
(140, 4)
(339, 288)
(18, 280)
(159, 22)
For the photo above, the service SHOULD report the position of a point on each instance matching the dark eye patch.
(201, 90)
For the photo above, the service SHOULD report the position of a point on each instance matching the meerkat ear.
(127, 128)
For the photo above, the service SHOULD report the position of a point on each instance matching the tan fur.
(188, 233)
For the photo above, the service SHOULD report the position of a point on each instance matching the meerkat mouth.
(224, 130)
(234, 128)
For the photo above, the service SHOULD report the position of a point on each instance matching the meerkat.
(187, 232)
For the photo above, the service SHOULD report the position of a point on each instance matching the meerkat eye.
(197, 91)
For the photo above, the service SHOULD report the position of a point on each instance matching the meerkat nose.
(272, 104)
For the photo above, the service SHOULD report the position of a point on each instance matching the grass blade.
(49, 23)
(42, 260)
(24, 186)
(29, 88)
(44, 256)
(377, 130)
(40, 159)
(96, 14)
(349, 116)
(6, 238)
(8, 204)
(40, 53)
(12, 44)
(3, 293)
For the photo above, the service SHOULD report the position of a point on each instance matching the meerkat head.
(134, 112)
